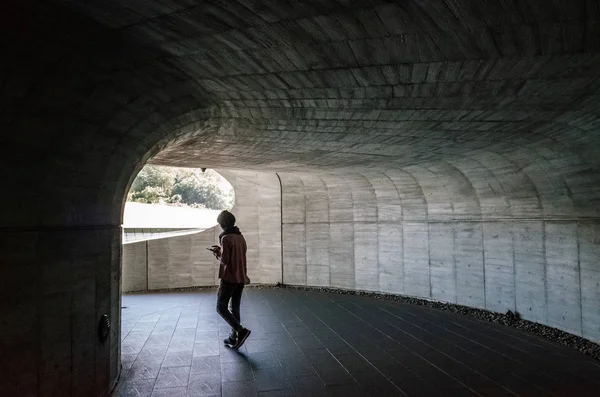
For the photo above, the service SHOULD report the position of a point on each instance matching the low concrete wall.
(135, 267)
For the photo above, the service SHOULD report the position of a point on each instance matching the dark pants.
(230, 291)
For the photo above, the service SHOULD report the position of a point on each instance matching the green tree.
(149, 195)
(200, 190)
(160, 177)
(180, 186)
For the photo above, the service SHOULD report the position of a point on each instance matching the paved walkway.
(322, 344)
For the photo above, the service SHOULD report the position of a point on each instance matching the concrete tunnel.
(448, 150)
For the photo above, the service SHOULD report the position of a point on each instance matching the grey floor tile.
(278, 393)
(207, 336)
(258, 345)
(204, 385)
(144, 369)
(231, 356)
(171, 392)
(153, 350)
(134, 347)
(206, 365)
(321, 358)
(401, 342)
(308, 342)
(353, 362)
(206, 349)
(287, 350)
(227, 349)
(127, 360)
(231, 372)
(180, 345)
(309, 384)
(334, 376)
(172, 377)
(354, 390)
(164, 329)
(136, 337)
(178, 359)
(137, 388)
(270, 379)
(237, 389)
(298, 331)
(297, 368)
(158, 339)
(263, 360)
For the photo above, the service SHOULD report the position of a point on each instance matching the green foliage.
(156, 177)
(178, 186)
(149, 195)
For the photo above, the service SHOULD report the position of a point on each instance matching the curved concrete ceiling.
(288, 86)
(279, 85)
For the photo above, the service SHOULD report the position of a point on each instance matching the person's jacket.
(233, 259)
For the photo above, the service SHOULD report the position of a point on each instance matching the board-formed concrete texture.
(447, 149)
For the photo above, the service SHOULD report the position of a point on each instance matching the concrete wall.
(173, 262)
(463, 233)
(472, 232)
(135, 267)
(54, 287)
(183, 261)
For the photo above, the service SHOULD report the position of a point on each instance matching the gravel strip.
(509, 318)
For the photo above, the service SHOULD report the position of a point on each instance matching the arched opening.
(166, 211)
(176, 198)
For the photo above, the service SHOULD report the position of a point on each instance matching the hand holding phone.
(216, 250)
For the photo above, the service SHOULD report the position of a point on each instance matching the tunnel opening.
(163, 199)
(166, 209)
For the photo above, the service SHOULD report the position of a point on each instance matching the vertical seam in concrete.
(38, 341)
(376, 231)
(95, 351)
(305, 225)
(147, 267)
(516, 172)
(454, 263)
(483, 265)
(418, 185)
(257, 185)
(429, 258)
(580, 279)
(328, 228)
(475, 194)
(401, 225)
(374, 191)
(72, 340)
(353, 224)
(512, 232)
(545, 270)
(281, 221)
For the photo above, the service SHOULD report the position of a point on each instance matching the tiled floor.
(322, 344)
